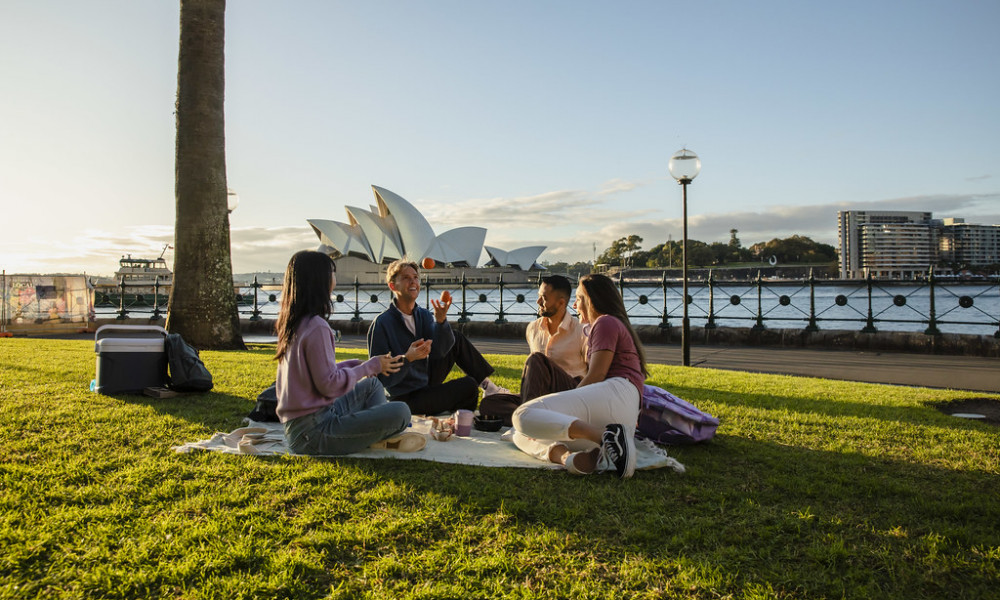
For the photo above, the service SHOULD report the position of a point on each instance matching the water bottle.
(93, 385)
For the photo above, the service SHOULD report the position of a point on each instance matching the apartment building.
(905, 244)
(889, 244)
(969, 244)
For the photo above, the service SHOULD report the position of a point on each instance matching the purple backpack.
(666, 419)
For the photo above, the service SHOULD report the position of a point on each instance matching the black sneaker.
(619, 449)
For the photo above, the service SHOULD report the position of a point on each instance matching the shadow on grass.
(214, 410)
(762, 514)
(923, 415)
(748, 514)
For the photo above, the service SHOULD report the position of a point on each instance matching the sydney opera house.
(393, 228)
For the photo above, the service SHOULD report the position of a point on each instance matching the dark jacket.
(388, 333)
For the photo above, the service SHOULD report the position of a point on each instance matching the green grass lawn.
(811, 489)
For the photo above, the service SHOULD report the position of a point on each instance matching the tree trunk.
(203, 301)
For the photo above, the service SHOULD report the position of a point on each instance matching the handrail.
(872, 304)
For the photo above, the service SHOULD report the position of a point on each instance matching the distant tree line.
(627, 252)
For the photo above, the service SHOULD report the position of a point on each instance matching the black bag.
(266, 409)
(500, 406)
(187, 372)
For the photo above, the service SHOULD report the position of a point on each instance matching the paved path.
(922, 370)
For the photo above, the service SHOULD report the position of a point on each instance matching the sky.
(546, 122)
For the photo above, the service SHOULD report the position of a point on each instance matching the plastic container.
(463, 422)
(130, 358)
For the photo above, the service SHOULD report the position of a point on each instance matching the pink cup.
(463, 422)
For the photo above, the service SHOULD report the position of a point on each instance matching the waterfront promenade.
(923, 370)
(973, 373)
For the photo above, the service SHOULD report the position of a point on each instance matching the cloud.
(536, 211)
(269, 248)
(818, 222)
(92, 251)
(978, 178)
(568, 222)
(615, 186)
(96, 252)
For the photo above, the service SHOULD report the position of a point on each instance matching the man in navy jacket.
(430, 348)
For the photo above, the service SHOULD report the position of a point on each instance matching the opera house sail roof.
(394, 229)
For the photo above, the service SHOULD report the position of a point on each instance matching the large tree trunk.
(202, 302)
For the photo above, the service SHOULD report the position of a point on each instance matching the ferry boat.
(140, 275)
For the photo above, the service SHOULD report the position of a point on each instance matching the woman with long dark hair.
(329, 407)
(592, 426)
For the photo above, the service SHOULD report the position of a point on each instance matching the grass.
(811, 489)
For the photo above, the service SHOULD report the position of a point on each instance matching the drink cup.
(463, 422)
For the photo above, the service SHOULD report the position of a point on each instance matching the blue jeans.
(353, 422)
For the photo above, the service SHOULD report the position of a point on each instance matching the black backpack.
(266, 409)
(187, 372)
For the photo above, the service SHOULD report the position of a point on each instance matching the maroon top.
(609, 333)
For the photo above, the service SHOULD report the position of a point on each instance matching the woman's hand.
(418, 350)
(389, 363)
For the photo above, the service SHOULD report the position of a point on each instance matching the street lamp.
(684, 166)
(232, 199)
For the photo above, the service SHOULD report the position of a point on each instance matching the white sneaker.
(490, 388)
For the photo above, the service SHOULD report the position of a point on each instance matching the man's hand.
(389, 363)
(441, 308)
(418, 350)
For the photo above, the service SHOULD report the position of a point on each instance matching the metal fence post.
(357, 306)
(255, 315)
(156, 299)
(759, 326)
(932, 328)
(997, 334)
(665, 323)
(121, 300)
(3, 301)
(710, 324)
(500, 316)
(870, 322)
(812, 326)
(464, 317)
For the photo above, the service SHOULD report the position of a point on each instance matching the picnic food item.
(442, 429)
(428, 263)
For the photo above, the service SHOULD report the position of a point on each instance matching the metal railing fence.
(870, 305)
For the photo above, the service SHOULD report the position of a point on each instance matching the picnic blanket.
(485, 449)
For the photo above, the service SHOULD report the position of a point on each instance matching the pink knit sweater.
(309, 377)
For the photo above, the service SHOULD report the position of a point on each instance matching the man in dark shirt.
(430, 348)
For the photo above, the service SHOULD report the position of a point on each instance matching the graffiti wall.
(45, 302)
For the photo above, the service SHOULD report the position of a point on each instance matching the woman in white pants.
(595, 422)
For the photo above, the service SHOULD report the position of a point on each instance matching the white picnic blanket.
(485, 449)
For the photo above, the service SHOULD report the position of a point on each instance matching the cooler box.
(130, 358)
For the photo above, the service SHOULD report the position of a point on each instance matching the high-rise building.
(889, 244)
(969, 244)
(904, 244)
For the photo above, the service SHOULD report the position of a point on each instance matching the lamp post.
(232, 200)
(684, 166)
